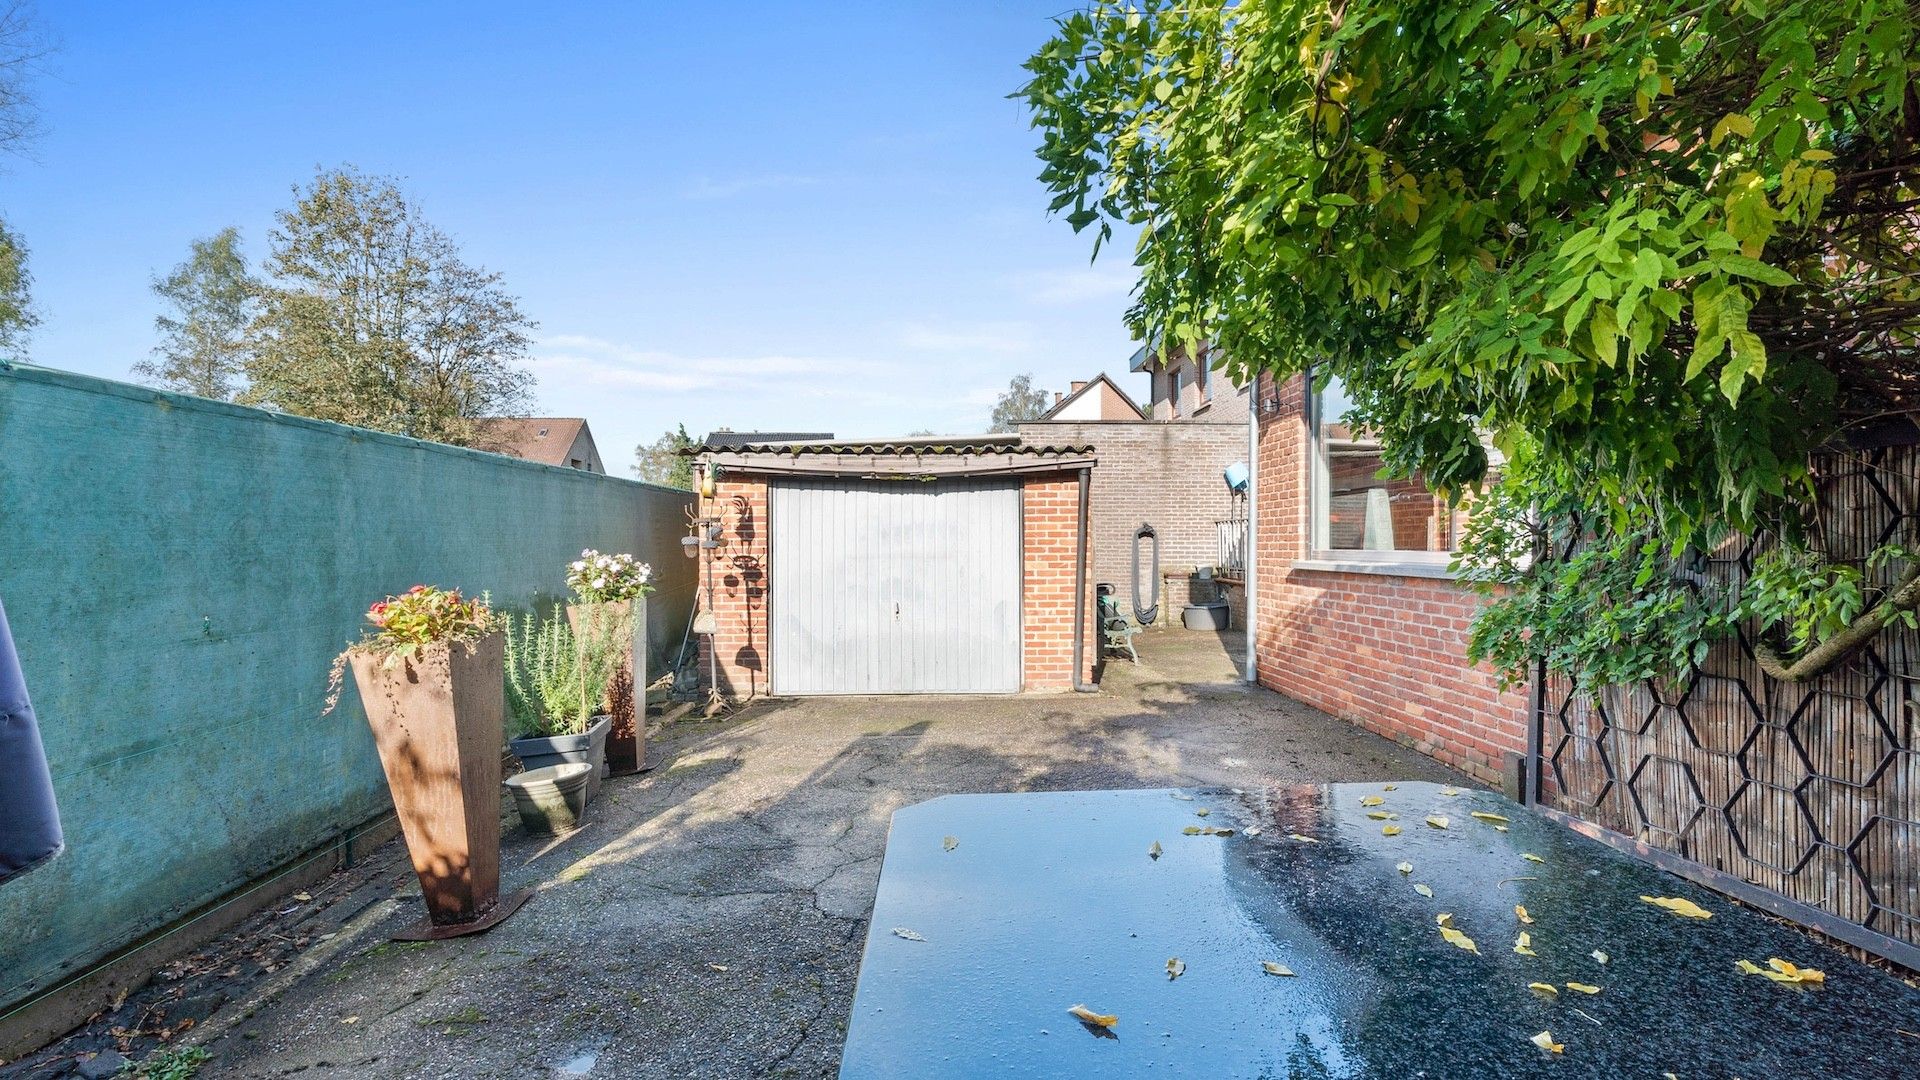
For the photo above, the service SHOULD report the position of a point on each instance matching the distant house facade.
(1098, 398)
(1187, 387)
(565, 441)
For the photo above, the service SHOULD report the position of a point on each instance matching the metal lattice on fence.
(1801, 797)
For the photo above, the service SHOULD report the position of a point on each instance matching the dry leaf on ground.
(1389, 830)
(1423, 890)
(1458, 940)
(1437, 821)
(1520, 912)
(950, 843)
(1585, 988)
(1371, 800)
(1484, 816)
(1524, 944)
(1405, 868)
(1154, 851)
(1598, 955)
(903, 932)
(1088, 1016)
(1544, 1041)
(1531, 857)
(1176, 967)
(1545, 990)
(1303, 839)
(1679, 906)
(1272, 968)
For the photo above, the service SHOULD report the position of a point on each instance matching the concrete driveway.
(708, 921)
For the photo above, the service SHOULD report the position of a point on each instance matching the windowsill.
(1387, 567)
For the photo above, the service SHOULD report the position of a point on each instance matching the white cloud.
(711, 187)
(1001, 338)
(1106, 280)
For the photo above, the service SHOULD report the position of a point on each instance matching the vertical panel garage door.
(895, 587)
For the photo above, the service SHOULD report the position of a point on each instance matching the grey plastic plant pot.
(588, 748)
(551, 801)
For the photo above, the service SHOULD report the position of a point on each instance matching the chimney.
(1057, 396)
(1079, 385)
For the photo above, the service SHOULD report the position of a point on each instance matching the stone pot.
(437, 716)
(551, 800)
(627, 740)
(587, 748)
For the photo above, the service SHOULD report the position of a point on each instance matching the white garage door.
(895, 587)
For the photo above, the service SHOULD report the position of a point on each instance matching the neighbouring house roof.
(925, 455)
(1099, 384)
(729, 439)
(545, 439)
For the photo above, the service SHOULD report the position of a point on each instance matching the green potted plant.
(556, 684)
(429, 676)
(610, 591)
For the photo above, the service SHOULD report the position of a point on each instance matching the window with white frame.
(1355, 513)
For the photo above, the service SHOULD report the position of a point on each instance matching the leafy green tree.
(1654, 253)
(661, 462)
(371, 318)
(213, 300)
(17, 317)
(1020, 401)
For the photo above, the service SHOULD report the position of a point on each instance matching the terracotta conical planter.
(627, 742)
(438, 718)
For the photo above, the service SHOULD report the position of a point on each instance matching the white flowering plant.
(603, 579)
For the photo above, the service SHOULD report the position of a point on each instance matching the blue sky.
(816, 216)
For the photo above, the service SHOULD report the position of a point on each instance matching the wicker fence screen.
(1804, 798)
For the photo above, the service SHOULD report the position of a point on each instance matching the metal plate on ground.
(1043, 901)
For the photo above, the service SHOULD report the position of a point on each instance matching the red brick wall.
(1051, 515)
(1385, 651)
(740, 568)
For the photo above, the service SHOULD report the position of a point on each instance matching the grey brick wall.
(1167, 475)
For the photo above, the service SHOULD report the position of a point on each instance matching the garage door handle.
(896, 611)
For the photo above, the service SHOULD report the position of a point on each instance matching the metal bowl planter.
(436, 715)
(627, 740)
(551, 800)
(587, 748)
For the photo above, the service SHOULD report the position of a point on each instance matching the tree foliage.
(372, 318)
(1649, 255)
(212, 300)
(17, 316)
(661, 461)
(1020, 401)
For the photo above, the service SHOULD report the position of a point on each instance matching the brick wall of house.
(741, 563)
(1050, 545)
(1385, 651)
(1167, 475)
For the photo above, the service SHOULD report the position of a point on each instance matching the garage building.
(935, 565)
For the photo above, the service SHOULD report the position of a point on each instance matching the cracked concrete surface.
(708, 921)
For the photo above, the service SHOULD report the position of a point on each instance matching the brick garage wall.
(740, 596)
(739, 567)
(1050, 540)
(1385, 651)
(1167, 475)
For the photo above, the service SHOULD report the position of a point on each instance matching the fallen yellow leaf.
(1445, 918)
(1545, 990)
(1458, 939)
(1301, 838)
(1799, 974)
(1585, 988)
(1253, 830)
(1484, 816)
(1544, 1041)
(1437, 821)
(1405, 868)
(1202, 812)
(903, 932)
(1679, 906)
(1520, 912)
(1598, 955)
(1176, 967)
(1154, 851)
(1531, 857)
(1389, 830)
(950, 843)
(1389, 787)
(1499, 828)
(303, 897)
(1380, 815)
(1423, 891)
(1524, 944)
(1371, 800)
(1192, 830)
(1088, 1016)
(1448, 791)
(1749, 967)
(1272, 968)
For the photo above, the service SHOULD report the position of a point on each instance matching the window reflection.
(1354, 508)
